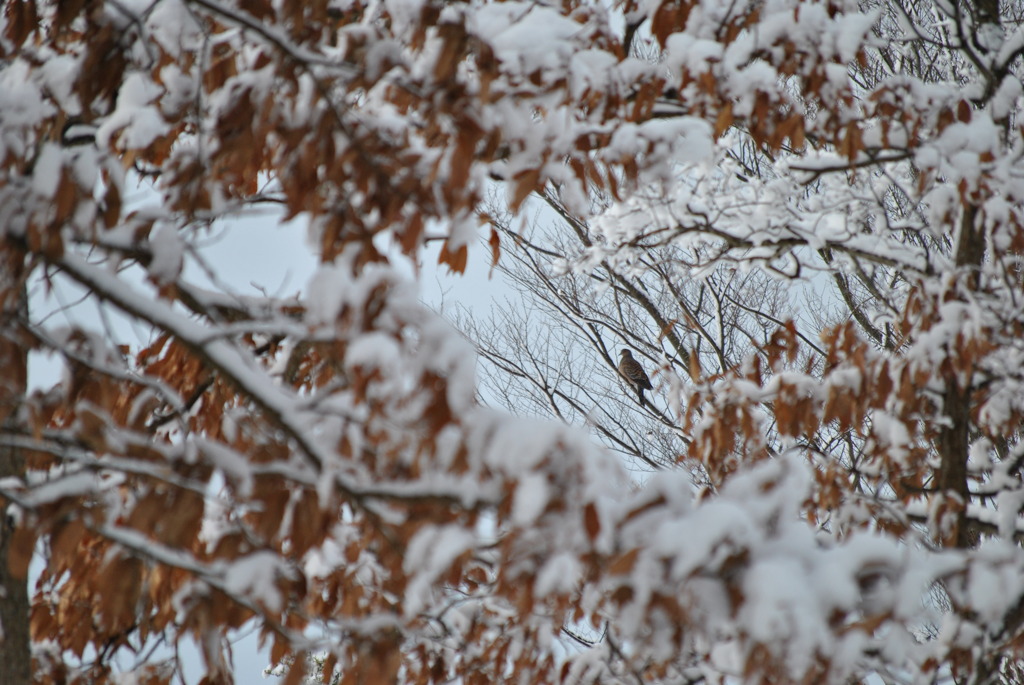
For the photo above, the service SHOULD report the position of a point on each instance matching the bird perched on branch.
(634, 374)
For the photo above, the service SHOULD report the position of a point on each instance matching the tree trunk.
(15, 652)
(953, 450)
(954, 436)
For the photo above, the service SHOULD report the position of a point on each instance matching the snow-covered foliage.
(318, 466)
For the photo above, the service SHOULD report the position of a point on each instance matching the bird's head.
(626, 353)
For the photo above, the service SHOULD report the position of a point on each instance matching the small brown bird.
(634, 374)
